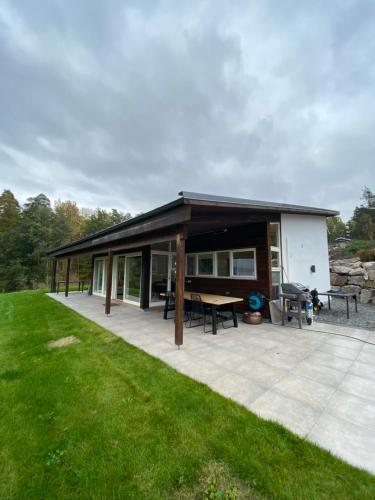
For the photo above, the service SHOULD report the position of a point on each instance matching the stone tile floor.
(315, 382)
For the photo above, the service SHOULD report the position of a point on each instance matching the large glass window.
(191, 265)
(275, 234)
(206, 264)
(159, 276)
(98, 276)
(133, 269)
(244, 263)
(275, 259)
(223, 263)
(163, 271)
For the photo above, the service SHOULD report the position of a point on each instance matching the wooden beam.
(136, 244)
(177, 216)
(174, 217)
(145, 278)
(180, 285)
(109, 283)
(53, 276)
(91, 284)
(68, 260)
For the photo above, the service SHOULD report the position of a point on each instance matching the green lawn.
(102, 419)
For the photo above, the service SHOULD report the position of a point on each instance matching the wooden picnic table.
(217, 301)
(214, 301)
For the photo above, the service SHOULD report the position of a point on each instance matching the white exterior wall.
(304, 243)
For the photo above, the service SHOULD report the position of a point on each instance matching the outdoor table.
(216, 301)
(345, 295)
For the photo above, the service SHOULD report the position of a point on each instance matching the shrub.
(367, 254)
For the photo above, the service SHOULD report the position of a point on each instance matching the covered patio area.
(319, 382)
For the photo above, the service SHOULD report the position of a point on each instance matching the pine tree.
(12, 271)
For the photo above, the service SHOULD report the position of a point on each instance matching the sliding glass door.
(159, 276)
(99, 277)
(163, 275)
(133, 271)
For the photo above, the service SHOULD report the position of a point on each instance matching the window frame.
(214, 274)
(213, 265)
(103, 276)
(278, 268)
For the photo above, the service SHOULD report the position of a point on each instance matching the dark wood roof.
(210, 199)
(178, 212)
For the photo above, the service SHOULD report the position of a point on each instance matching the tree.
(9, 211)
(368, 197)
(336, 227)
(11, 268)
(36, 229)
(362, 224)
(67, 222)
(102, 219)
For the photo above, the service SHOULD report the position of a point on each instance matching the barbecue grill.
(296, 303)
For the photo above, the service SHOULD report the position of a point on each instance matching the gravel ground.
(364, 318)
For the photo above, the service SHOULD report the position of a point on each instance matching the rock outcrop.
(352, 275)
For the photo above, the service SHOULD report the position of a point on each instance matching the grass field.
(102, 419)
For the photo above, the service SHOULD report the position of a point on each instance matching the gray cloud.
(123, 104)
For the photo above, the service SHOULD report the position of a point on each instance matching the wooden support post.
(108, 293)
(67, 277)
(53, 276)
(180, 284)
(145, 279)
(91, 278)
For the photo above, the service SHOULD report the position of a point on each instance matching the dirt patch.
(63, 342)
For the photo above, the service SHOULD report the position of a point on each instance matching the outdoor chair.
(196, 311)
(225, 313)
(201, 312)
(170, 304)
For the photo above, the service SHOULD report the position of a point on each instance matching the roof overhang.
(165, 221)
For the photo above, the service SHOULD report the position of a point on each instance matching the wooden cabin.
(205, 243)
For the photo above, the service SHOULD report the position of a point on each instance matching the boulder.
(356, 280)
(369, 266)
(367, 296)
(370, 284)
(371, 274)
(352, 261)
(357, 264)
(351, 289)
(338, 279)
(339, 269)
(357, 271)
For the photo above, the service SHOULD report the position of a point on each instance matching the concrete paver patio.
(319, 385)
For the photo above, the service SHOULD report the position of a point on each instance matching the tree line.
(361, 226)
(28, 230)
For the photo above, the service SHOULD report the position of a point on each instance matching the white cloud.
(124, 105)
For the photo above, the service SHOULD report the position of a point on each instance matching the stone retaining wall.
(352, 275)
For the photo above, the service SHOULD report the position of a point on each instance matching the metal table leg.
(299, 314)
(329, 302)
(165, 316)
(235, 321)
(347, 307)
(214, 320)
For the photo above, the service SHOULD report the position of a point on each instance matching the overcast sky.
(123, 104)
